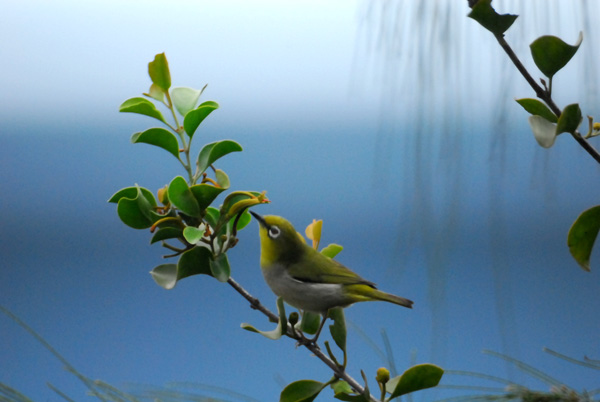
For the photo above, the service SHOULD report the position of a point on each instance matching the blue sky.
(434, 196)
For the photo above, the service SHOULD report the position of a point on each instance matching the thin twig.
(314, 348)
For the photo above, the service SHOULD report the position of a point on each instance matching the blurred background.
(393, 121)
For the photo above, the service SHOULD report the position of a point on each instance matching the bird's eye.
(274, 232)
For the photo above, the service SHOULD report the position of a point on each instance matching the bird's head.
(280, 243)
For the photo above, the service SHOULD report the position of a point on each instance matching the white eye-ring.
(274, 232)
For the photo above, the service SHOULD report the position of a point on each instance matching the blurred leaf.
(181, 196)
(338, 329)
(569, 119)
(213, 151)
(484, 13)
(137, 212)
(582, 236)
(543, 131)
(222, 179)
(159, 72)
(416, 378)
(550, 53)
(341, 386)
(313, 232)
(302, 391)
(141, 106)
(332, 250)
(281, 328)
(537, 108)
(244, 220)
(160, 138)
(219, 266)
(185, 99)
(310, 322)
(212, 216)
(165, 275)
(193, 234)
(166, 233)
(156, 92)
(193, 118)
(205, 194)
(347, 397)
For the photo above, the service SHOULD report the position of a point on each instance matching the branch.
(314, 348)
(544, 95)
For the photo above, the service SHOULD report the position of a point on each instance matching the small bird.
(305, 278)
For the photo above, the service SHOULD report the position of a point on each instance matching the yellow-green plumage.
(305, 278)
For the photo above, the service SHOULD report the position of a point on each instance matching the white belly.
(315, 297)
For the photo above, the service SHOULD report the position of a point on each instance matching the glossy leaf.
(543, 131)
(582, 236)
(166, 233)
(205, 194)
(181, 196)
(141, 106)
(310, 322)
(537, 108)
(332, 250)
(244, 220)
(212, 216)
(302, 391)
(194, 261)
(281, 328)
(219, 266)
(192, 234)
(569, 119)
(484, 13)
(550, 53)
(215, 150)
(160, 138)
(193, 118)
(338, 329)
(185, 99)
(159, 72)
(137, 212)
(238, 201)
(421, 376)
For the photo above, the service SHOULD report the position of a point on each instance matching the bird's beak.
(260, 219)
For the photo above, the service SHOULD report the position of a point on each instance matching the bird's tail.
(368, 293)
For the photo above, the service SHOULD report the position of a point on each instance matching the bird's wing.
(325, 270)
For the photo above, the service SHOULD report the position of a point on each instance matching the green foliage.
(281, 328)
(569, 119)
(484, 13)
(186, 216)
(537, 108)
(551, 54)
(582, 236)
(421, 376)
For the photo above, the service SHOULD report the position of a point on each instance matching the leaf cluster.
(185, 211)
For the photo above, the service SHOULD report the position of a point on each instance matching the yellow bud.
(163, 197)
(596, 126)
(383, 375)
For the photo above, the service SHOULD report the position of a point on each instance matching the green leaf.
(237, 202)
(141, 106)
(244, 220)
(160, 138)
(156, 92)
(213, 151)
(543, 131)
(281, 328)
(222, 178)
(569, 119)
(193, 234)
(341, 386)
(582, 236)
(159, 72)
(347, 397)
(332, 250)
(185, 99)
(212, 217)
(193, 118)
(550, 53)
(205, 194)
(166, 233)
(310, 322)
(302, 391)
(537, 108)
(219, 266)
(416, 378)
(338, 329)
(484, 13)
(137, 212)
(181, 196)
(194, 261)
(132, 192)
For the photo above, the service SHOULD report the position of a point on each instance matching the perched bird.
(305, 278)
